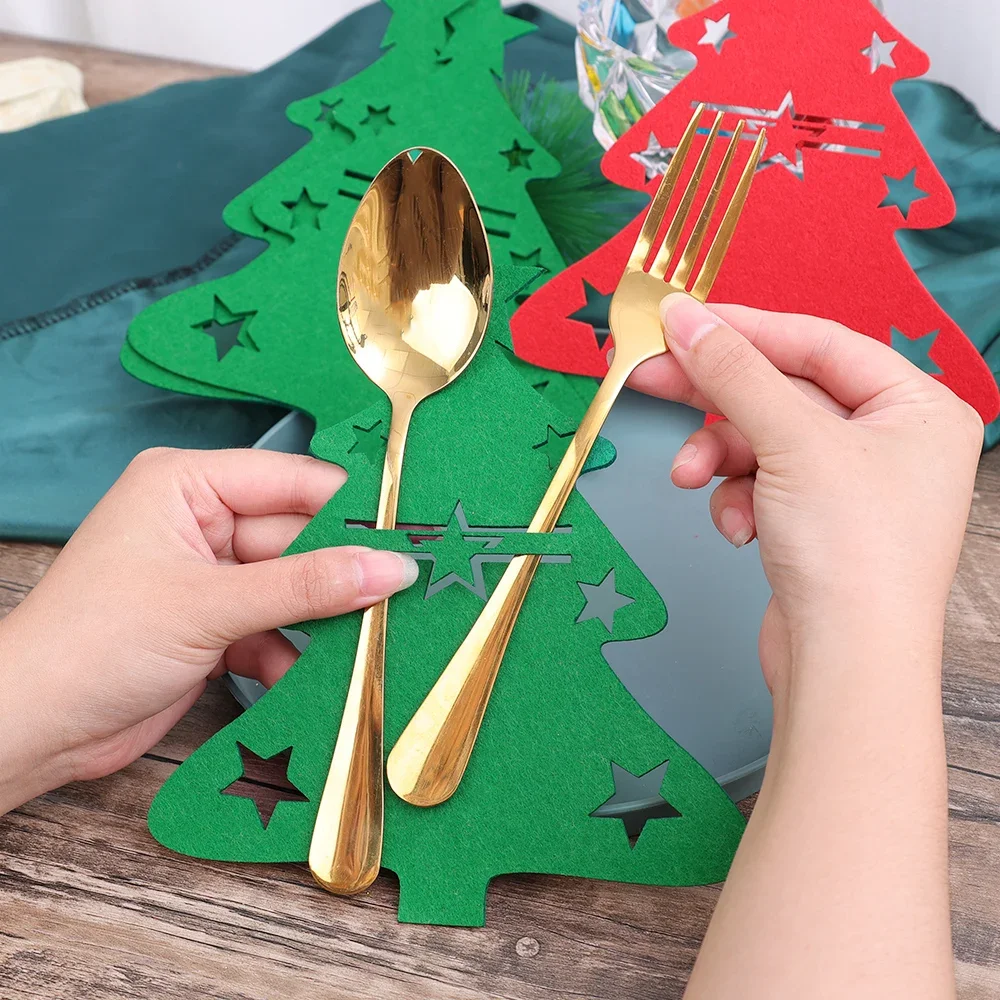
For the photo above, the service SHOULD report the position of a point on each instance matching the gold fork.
(430, 757)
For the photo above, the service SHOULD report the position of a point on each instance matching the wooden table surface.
(91, 907)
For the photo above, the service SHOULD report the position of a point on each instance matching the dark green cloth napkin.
(104, 212)
(960, 263)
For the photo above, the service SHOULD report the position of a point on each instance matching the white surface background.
(961, 36)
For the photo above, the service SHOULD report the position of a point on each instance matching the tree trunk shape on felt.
(842, 172)
(270, 331)
(560, 724)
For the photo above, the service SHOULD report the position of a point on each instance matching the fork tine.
(676, 227)
(720, 244)
(679, 278)
(651, 225)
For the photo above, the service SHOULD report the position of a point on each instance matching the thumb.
(259, 596)
(732, 374)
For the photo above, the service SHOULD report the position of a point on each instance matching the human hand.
(852, 467)
(172, 579)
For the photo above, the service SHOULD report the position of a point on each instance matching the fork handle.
(346, 848)
(430, 756)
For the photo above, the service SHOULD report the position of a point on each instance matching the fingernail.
(685, 321)
(386, 572)
(735, 526)
(686, 453)
(610, 355)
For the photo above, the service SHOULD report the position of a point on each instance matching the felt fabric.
(559, 721)
(271, 331)
(843, 171)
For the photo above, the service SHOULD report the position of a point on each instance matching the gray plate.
(700, 677)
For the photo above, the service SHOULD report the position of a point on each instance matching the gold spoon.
(413, 292)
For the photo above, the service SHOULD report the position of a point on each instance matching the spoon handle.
(346, 848)
(430, 756)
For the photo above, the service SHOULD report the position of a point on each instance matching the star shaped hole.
(637, 800)
(265, 782)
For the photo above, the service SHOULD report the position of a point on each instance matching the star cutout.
(655, 158)
(449, 31)
(305, 211)
(637, 802)
(783, 139)
(377, 119)
(717, 33)
(555, 444)
(903, 192)
(916, 349)
(595, 314)
(879, 53)
(327, 114)
(530, 259)
(229, 329)
(490, 27)
(517, 156)
(276, 235)
(603, 600)
(465, 546)
(264, 794)
(370, 442)
(453, 553)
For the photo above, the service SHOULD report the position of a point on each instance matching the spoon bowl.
(415, 278)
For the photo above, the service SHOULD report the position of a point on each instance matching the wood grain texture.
(107, 75)
(91, 908)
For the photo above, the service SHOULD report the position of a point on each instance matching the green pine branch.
(580, 209)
